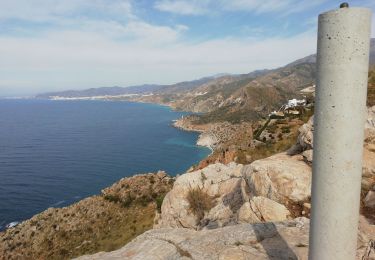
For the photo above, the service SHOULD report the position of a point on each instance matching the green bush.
(159, 201)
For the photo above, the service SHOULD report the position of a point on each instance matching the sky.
(52, 45)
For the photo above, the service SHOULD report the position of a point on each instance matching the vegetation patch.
(99, 223)
(112, 198)
(159, 201)
(199, 202)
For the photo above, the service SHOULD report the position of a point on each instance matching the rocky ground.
(236, 200)
(279, 241)
(99, 223)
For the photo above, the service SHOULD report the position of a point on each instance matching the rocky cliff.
(254, 211)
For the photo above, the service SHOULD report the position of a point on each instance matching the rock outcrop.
(272, 189)
(281, 178)
(276, 188)
(261, 209)
(224, 183)
(284, 240)
(306, 139)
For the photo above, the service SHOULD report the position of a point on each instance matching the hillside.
(99, 223)
(247, 97)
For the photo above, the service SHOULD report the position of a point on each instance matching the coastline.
(205, 138)
(13, 222)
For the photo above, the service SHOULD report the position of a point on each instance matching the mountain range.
(223, 97)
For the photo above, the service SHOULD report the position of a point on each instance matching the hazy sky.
(48, 45)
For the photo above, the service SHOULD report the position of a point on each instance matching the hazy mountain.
(225, 97)
(111, 91)
(114, 91)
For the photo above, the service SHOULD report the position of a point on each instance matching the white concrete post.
(342, 71)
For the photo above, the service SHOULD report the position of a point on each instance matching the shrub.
(127, 201)
(272, 129)
(199, 202)
(285, 129)
(159, 201)
(144, 200)
(112, 198)
(203, 177)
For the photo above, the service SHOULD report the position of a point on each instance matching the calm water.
(53, 153)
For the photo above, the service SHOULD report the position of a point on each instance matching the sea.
(54, 153)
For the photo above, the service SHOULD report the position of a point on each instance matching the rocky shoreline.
(213, 135)
(205, 138)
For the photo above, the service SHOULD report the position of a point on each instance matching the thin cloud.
(90, 43)
(285, 7)
(52, 10)
(75, 58)
(258, 6)
(183, 7)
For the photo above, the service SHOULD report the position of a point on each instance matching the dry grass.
(289, 134)
(199, 202)
(268, 149)
(87, 227)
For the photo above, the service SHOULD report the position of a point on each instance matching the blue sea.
(54, 153)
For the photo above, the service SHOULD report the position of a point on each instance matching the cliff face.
(99, 223)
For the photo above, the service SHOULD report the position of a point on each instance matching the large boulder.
(284, 240)
(281, 178)
(223, 183)
(261, 209)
